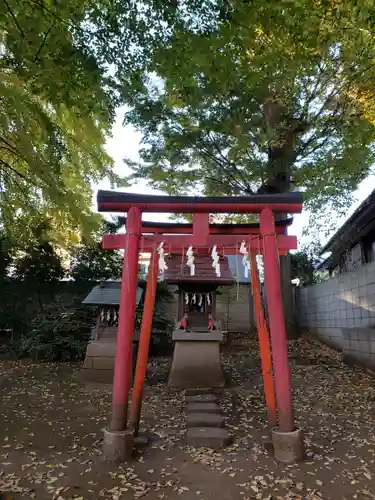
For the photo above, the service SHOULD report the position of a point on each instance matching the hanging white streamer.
(215, 261)
(208, 299)
(245, 259)
(194, 298)
(200, 300)
(190, 260)
(162, 264)
(186, 298)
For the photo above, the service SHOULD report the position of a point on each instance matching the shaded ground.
(52, 426)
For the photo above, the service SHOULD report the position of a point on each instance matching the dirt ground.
(51, 430)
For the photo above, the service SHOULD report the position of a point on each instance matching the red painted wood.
(176, 244)
(144, 343)
(213, 230)
(129, 282)
(264, 345)
(277, 322)
(201, 228)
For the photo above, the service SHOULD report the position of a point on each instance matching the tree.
(90, 263)
(239, 97)
(305, 265)
(5, 258)
(261, 96)
(56, 108)
(38, 265)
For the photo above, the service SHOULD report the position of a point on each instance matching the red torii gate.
(266, 238)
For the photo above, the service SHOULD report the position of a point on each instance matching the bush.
(161, 334)
(55, 335)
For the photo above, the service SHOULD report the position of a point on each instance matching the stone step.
(196, 392)
(203, 407)
(205, 420)
(208, 437)
(202, 398)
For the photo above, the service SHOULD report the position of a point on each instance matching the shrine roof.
(108, 294)
(179, 272)
(114, 201)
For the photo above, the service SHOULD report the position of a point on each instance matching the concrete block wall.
(234, 308)
(341, 311)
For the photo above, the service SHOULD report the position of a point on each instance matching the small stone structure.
(101, 350)
(205, 422)
(196, 358)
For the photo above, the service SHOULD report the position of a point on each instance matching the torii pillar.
(287, 440)
(118, 439)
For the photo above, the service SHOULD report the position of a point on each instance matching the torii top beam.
(112, 201)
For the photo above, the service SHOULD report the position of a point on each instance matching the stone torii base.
(196, 360)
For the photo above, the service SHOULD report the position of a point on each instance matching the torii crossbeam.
(266, 238)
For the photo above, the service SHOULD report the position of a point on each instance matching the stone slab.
(203, 407)
(195, 365)
(202, 398)
(101, 348)
(208, 437)
(197, 392)
(206, 336)
(204, 420)
(100, 368)
(102, 363)
(141, 440)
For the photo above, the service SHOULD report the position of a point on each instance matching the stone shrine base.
(196, 360)
(99, 361)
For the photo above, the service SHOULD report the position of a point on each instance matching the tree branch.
(44, 41)
(230, 164)
(19, 174)
(14, 19)
(236, 183)
(13, 179)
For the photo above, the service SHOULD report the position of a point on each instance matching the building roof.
(238, 269)
(361, 222)
(231, 267)
(232, 270)
(179, 272)
(108, 294)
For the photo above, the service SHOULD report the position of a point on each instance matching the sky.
(125, 142)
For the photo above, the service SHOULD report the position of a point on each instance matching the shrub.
(55, 335)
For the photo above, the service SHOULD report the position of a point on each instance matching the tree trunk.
(252, 323)
(288, 300)
(284, 132)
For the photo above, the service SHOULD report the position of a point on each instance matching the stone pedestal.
(118, 445)
(99, 362)
(196, 360)
(288, 446)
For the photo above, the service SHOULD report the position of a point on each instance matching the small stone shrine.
(197, 336)
(101, 349)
